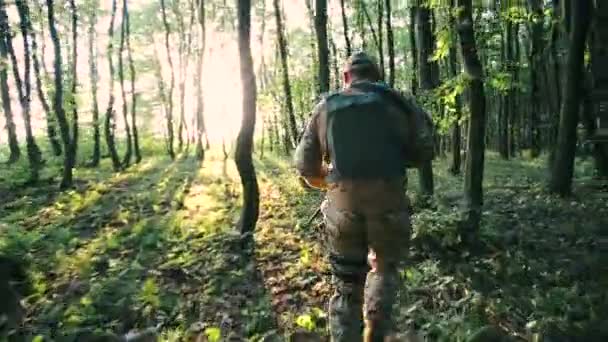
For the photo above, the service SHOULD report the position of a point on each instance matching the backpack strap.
(327, 99)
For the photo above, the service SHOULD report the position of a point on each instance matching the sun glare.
(222, 80)
(221, 83)
(222, 88)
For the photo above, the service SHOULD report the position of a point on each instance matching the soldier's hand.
(316, 182)
(371, 260)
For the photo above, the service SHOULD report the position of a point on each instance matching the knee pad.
(348, 270)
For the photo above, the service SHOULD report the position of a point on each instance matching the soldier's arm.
(425, 133)
(309, 154)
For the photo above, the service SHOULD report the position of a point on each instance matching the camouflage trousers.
(360, 309)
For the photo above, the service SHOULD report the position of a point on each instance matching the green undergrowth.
(155, 246)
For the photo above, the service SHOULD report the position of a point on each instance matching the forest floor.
(155, 246)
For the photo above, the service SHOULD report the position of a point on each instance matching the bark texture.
(563, 165)
(244, 147)
(322, 45)
(477, 105)
(110, 121)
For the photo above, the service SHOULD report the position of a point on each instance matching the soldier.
(357, 146)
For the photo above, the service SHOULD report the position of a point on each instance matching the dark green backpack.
(365, 135)
(363, 139)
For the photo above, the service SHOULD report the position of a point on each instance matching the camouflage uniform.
(359, 214)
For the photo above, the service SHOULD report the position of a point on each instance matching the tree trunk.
(262, 73)
(413, 49)
(94, 76)
(567, 12)
(121, 77)
(555, 37)
(563, 165)
(345, 26)
(315, 85)
(62, 119)
(366, 15)
(192, 32)
(456, 132)
(110, 120)
(71, 154)
(13, 143)
(162, 96)
(599, 76)
(535, 79)
(134, 131)
(516, 113)
(224, 151)
(500, 104)
(181, 126)
(271, 139)
(243, 157)
(435, 64)
(390, 40)
(380, 4)
(322, 48)
(427, 82)
(425, 48)
(600, 151)
(277, 134)
(334, 63)
(286, 141)
(503, 146)
(33, 152)
(51, 124)
(550, 104)
(169, 114)
(183, 52)
(476, 140)
(23, 87)
(200, 120)
(360, 11)
(553, 69)
(293, 131)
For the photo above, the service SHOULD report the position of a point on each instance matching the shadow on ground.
(540, 273)
(153, 246)
(156, 246)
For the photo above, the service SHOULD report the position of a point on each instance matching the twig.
(313, 217)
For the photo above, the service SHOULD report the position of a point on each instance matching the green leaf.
(306, 322)
(444, 39)
(305, 257)
(149, 293)
(318, 313)
(213, 334)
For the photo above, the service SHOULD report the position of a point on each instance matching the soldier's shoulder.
(328, 96)
(385, 88)
(325, 100)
